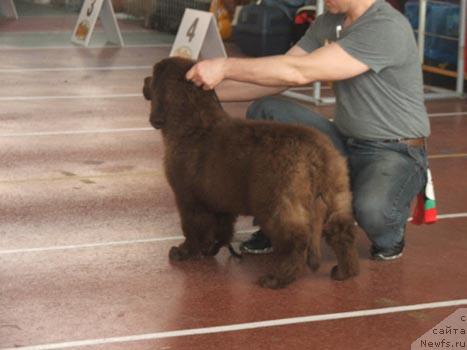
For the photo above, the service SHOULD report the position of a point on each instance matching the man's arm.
(237, 91)
(234, 91)
(328, 63)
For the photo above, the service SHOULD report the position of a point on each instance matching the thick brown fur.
(290, 178)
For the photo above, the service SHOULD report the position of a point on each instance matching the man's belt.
(418, 142)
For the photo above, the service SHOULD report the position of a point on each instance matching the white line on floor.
(99, 30)
(66, 97)
(249, 325)
(75, 132)
(90, 245)
(452, 216)
(106, 244)
(151, 240)
(117, 130)
(73, 69)
(94, 96)
(447, 114)
(85, 48)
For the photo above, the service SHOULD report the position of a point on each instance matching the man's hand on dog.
(207, 74)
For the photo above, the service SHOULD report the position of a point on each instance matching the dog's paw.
(269, 281)
(313, 263)
(273, 282)
(338, 275)
(178, 254)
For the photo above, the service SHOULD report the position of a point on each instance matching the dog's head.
(169, 91)
(163, 88)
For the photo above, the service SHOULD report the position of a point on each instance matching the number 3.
(91, 8)
(191, 31)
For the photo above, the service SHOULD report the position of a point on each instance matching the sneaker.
(257, 244)
(387, 254)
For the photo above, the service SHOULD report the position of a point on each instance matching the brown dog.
(290, 178)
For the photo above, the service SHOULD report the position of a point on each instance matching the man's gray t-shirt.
(387, 101)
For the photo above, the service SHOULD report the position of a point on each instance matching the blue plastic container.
(263, 30)
(441, 19)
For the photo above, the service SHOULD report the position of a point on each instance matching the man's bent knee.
(383, 228)
(264, 108)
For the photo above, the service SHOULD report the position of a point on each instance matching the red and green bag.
(425, 207)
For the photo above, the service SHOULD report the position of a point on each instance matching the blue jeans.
(385, 177)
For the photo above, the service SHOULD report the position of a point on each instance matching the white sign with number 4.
(197, 36)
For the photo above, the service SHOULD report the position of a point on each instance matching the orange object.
(224, 22)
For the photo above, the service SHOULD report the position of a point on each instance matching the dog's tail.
(314, 246)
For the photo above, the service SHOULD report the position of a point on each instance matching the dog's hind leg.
(290, 242)
(340, 234)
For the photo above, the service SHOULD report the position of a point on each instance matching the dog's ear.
(177, 67)
(147, 88)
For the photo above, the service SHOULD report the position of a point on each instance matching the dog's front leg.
(186, 250)
(198, 229)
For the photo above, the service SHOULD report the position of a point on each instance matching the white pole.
(317, 85)
(461, 46)
(421, 29)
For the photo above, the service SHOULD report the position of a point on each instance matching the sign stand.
(198, 36)
(91, 10)
(7, 7)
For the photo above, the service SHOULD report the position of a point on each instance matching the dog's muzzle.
(157, 124)
(156, 121)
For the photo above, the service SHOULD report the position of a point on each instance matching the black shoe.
(257, 244)
(387, 254)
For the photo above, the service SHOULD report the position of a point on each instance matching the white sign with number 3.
(91, 10)
(197, 36)
(7, 7)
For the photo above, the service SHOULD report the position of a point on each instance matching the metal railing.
(435, 92)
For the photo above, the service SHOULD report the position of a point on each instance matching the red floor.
(81, 182)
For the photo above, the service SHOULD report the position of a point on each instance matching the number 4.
(191, 31)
